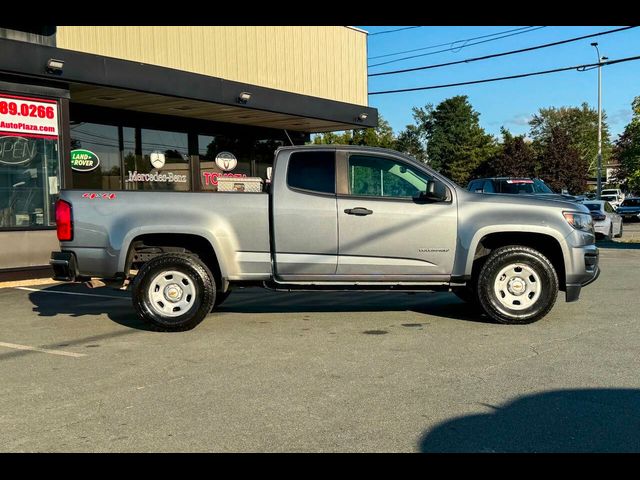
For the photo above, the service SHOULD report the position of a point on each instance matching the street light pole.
(599, 179)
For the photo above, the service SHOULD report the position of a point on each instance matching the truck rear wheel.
(174, 292)
(517, 285)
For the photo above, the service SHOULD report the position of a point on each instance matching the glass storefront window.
(29, 181)
(103, 142)
(264, 150)
(162, 162)
(222, 147)
(133, 156)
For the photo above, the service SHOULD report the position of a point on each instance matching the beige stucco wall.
(322, 61)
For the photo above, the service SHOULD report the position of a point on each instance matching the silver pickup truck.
(333, 218)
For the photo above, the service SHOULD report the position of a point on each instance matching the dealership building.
(197, 109)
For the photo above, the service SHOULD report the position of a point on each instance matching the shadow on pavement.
(257, 300)
(566, 421)
(118, 308)
(618, 245)
(442, 304)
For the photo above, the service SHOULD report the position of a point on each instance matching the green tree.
(516, 157)
(627, 151)
(380, 136)
(411, 141)
(582, 125)
(561, 165)
(330, 138)
(456, 144)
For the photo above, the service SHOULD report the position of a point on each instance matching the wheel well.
(145, 247)
(545, 244)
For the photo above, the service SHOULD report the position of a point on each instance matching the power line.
(392, 31)
(486, 80)
(449, 43)
(453, 48)
(512, 52)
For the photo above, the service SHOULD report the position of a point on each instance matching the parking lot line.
(42, 350)
(72, 293)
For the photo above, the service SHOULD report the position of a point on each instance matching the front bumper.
(584, 272)
(65, 267)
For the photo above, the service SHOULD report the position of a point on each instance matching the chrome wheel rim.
(517, 286)
(171, 293)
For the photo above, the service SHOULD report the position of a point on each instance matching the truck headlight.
(579, 221)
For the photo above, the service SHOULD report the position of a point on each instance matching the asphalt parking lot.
(323, 372)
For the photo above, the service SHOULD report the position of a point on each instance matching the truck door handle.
(359, 211)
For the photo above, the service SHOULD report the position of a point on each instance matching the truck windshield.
(631, 202)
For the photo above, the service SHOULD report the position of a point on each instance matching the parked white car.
(606, 221)
(613, 195)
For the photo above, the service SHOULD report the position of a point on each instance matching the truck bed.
(232, 222)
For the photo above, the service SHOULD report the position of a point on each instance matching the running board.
(361, 286)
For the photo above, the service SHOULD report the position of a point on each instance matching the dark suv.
(512, 185)
(630, 208)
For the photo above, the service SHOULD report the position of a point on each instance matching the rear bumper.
(602, 228)
(65, 267)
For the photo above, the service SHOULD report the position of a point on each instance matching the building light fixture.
(244, 97)
(55, 66)
(362, 117)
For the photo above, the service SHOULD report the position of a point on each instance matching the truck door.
(304, 214)
(386, 232)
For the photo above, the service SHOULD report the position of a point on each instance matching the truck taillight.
(64, 221)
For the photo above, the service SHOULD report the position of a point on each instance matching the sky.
(508, 103)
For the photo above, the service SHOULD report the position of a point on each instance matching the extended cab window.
(315, 171)
(382, 177)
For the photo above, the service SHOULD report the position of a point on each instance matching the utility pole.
(599, 179)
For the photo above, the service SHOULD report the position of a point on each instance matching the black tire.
(202, 285)
(531, 259)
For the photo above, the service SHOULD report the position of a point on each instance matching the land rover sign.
(84, 160)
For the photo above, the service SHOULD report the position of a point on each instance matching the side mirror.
(432, 193)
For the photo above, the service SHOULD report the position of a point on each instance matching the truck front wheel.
(174, 292)
(517, 285)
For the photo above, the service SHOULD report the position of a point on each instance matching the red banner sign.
(28, 117)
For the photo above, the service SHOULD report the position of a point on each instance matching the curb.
(28, 283)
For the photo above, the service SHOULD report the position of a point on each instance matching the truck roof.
(351, 148)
